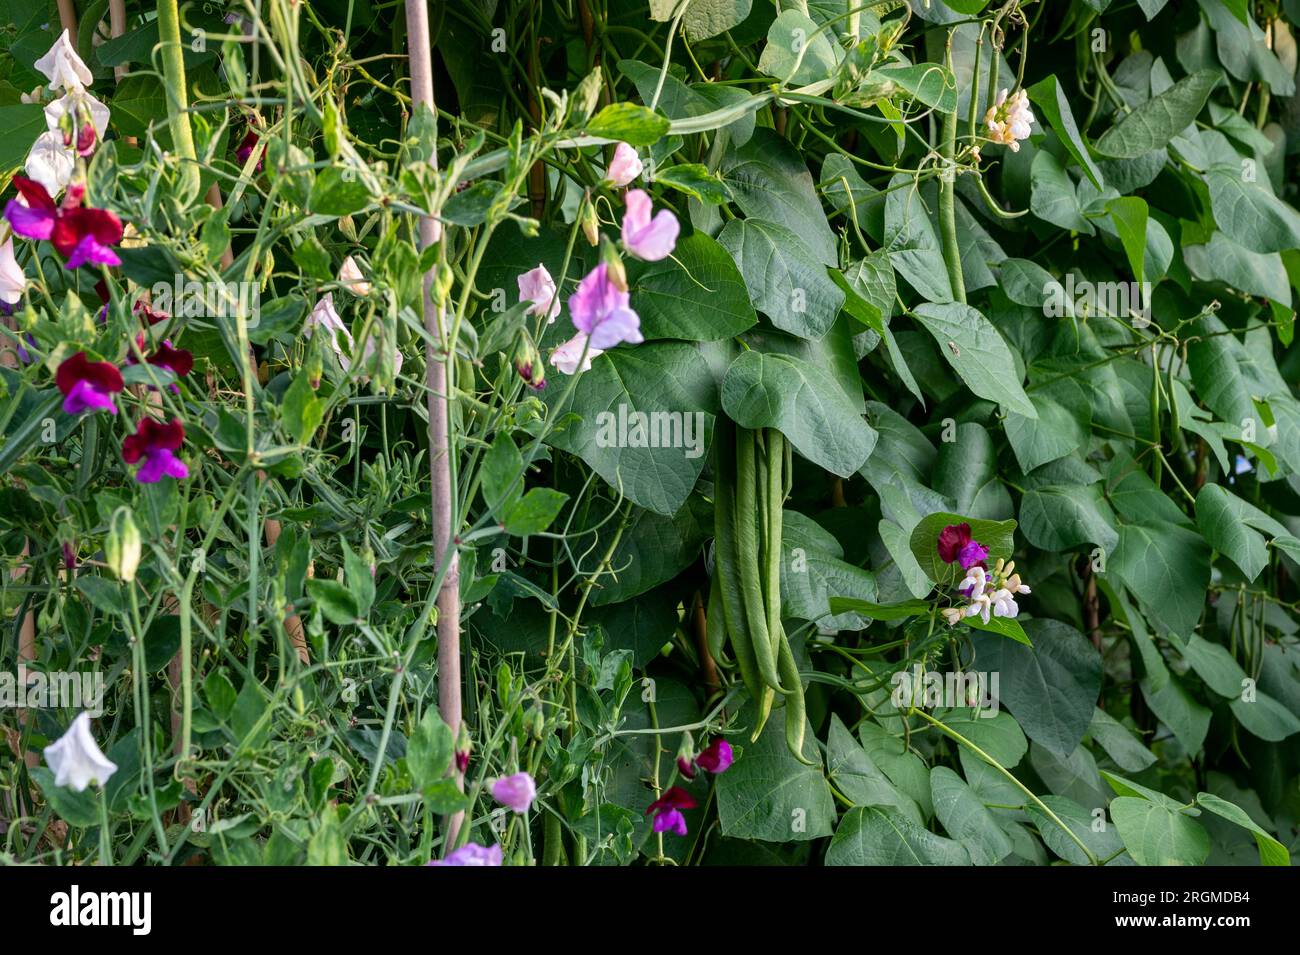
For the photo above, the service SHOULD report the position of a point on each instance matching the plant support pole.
(438, 355)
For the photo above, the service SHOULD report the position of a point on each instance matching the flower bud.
(614, 265)
(122, 549)
(590, 224)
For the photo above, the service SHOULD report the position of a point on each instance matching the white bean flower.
(1010, 120)
(66, 70)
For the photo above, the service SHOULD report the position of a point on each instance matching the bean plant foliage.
(799, 432)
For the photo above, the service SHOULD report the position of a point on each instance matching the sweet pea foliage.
(869, 433)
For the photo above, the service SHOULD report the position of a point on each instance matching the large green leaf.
(769, 180)
(782, 392)
(1051, 688)
(769, 795)
(1065, 516)
(1048, 96)
(1271, 852)
(872, 836)
(697, 294)
(966, 819)
(1102, 843)
(1232, 526)
(786, 281)
(1156, 834)
(1154, 123)
(853, 773)
(978, 353)
(1168, 568)
(1251, 215)
(670, 383)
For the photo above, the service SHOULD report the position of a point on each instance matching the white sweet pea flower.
(64, 67)
(566, 357)
(76, 759)
(352, 279)
(50, 162)
(68, 103)
(13, 282)
(324, 316)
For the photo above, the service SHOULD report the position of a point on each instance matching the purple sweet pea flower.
(668, 810)
(88, 385)
(472, 854)
(600, 309)
(972, 553)
(646, 238)
(157, 443)
(716, 757)
(515, 792)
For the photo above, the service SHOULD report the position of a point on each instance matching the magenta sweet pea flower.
(956, 544)
(515, 792)
(686, 767)
(88, 385)
(600, 309)
(472, 854)
(80, 234)
(668, 810)
(716, 757)
(157, 444)
(647, 238)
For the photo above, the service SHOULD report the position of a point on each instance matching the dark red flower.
(147, 312)
(88, 385)
(157, 444)
(951, 540)
(246, 147)
(80, 234)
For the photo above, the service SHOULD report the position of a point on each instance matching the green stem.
(169, 33)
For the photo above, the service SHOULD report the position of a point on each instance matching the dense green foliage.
(887, 313)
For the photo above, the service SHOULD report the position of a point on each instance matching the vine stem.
(439, 354)
(169, 33)
(952, 733)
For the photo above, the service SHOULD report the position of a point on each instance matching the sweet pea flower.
(79, 233)
(13, 281)
(624, 167)
(566, 357)
(51, 162)
(352, 279)
(600, 309)
(64, 67)
(82, 108)
(537, 286)
(178, 361)
(716, 757)
(324, 316)
(157, 443)
(668, 810)
(88, 385)
(646, 238)
(77, 760)
(246, 146)
(515, 792)
(472, 854)
(1009, 120)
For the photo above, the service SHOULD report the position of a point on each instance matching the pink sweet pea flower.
(600, 309)
(566, 357)
(472, 854)
(624, 167)
(88, 385)
(515, 792)
(157, 443)
(537, 286)
(668, 810)
(647, 238)
(716, 757)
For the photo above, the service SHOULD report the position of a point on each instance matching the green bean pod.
(747, 556)
(796, 714)
(726, 572)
